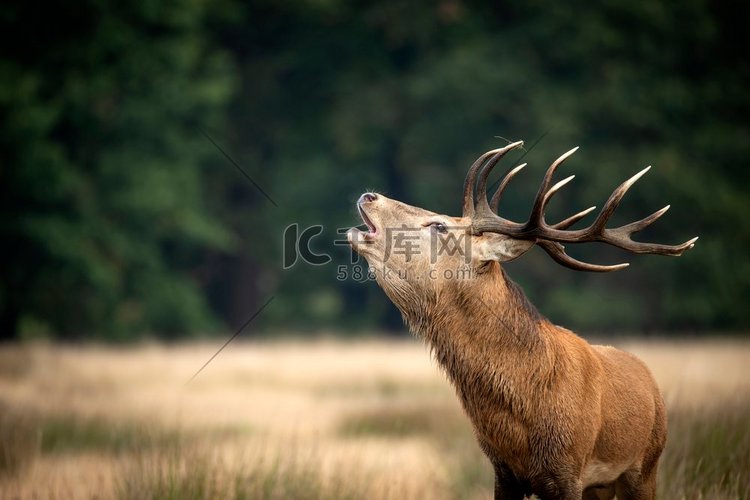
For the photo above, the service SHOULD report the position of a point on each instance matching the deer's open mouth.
(372, 230)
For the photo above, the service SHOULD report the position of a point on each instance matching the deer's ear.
(499, 247)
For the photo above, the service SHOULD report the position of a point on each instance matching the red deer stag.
(556, 416)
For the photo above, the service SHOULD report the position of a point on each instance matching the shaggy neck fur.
(490, 340)
(488, 312)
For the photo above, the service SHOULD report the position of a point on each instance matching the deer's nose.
(368, 197)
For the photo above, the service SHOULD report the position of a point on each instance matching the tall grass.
(264, 474)
(26, 434)
(20, 440)
(707, 453)
(66, 433)
(394, 433)
(468, 471)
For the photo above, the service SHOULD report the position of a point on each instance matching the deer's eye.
(439, 227)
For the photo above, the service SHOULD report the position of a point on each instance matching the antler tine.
(536, 219)
(554, 188)
(636, 226)
(565, 224)
(470, 180)
(495, 202)
(557, 252)
(613, 202)
(623, 235)
(621, 239)
(482, 206)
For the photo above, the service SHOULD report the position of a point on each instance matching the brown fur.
(553, 414)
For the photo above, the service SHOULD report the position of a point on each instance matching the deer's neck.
(487, 336)
(490, 312)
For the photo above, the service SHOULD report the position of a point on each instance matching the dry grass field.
(322, 419)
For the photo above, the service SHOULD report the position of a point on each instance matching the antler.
(550, 237)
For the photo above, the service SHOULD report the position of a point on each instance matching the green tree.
(119, 216)
(401, 96)
(102, 158)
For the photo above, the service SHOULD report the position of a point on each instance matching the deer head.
(418, 253)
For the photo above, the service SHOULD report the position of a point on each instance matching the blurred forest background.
(121, 219)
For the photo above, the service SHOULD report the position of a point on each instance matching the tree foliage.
(104, 216)
(120, 217)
